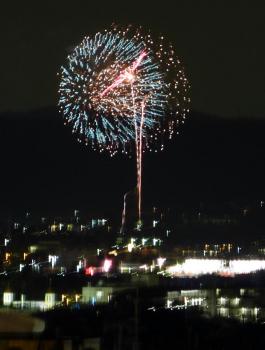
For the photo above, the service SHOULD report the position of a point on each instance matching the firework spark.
(120, 88)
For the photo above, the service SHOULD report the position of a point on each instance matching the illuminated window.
(99, 294)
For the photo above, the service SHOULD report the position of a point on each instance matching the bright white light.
(79, 266)
(107, 265)
(160, 262)
(155, 240)
(133, 240)
(130, 247)
(52, 259)
(143, 267)
(169, 303)
(144, 240)
(155, 222)
(195, 267)
(129, 77)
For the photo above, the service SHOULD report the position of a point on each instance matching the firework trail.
(140, 162)
(121, 87)
(124, 212)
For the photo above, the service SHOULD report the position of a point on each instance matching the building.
(99, 294)
(48, 303)
(242, 304)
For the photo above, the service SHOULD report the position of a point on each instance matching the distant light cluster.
(110, 78)
(196, 267)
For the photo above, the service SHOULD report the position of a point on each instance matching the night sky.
(220, 42)
(219, 155)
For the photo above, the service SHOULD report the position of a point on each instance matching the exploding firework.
(105, 81)
(121, 88)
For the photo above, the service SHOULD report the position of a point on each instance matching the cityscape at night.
(132, 197)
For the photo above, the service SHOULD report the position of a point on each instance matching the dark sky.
(220, 42)
(45, 170)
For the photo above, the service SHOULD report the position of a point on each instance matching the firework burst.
(121, 88)
(104, 82)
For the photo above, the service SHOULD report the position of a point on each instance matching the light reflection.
(196, 267)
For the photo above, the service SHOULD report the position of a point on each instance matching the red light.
(89, 271)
